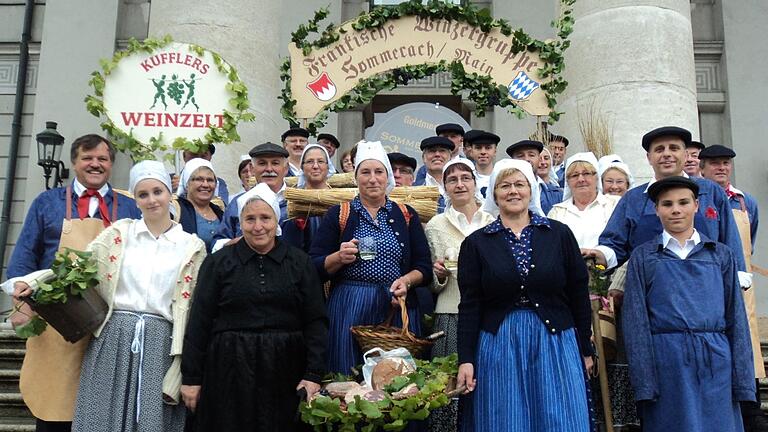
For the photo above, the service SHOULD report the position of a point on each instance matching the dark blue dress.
(528, 377)
(360, 291)
(687, 338)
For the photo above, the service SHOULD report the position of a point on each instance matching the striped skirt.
(529, 379)
(354, 303)
(121, 383)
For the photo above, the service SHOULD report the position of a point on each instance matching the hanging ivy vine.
(126, 143)
(479, 89)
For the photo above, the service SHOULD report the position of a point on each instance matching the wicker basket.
(386, 337)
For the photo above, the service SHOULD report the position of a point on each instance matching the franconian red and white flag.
(323, 88)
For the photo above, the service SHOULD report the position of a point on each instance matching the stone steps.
(14, 415)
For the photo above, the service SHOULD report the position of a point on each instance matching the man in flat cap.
(634, 219)
(685, 328)
(331, 144)
(558, 146)
(716, 162)
(294, 140)
(467, 148)
(692, 151)
(484, 145)
(435, 152)
(269, 164)
(453, 132)
(530, 151)
(403, 168)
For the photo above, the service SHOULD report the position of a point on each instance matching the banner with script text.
(327, 73)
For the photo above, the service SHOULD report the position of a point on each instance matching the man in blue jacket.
(634, 219)
(48, 224)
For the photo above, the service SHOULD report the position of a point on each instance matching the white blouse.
(587, 224)
(149, 269)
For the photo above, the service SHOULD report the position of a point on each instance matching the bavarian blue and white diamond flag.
(521, 87)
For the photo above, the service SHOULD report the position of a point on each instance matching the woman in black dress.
(257, 330)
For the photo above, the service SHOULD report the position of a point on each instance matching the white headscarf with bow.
(523, 166)
(148, 169)
(614, 161)
(468, 163)
(261, 192)
(189, 168)
(587, 157)
(302, 179)
(373, 150)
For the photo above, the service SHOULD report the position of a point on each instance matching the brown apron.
(50, 374)
(742, 222)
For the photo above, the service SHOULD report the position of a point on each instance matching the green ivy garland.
(480, 88)
(126, 143)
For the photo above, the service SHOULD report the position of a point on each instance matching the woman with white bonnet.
(524, 315)
(245, 174)
(615, 175)
(617, 180)
(299, 231)
(584, 207)
(198, 214)
(445, 232)
(372, 250)
(131, 376)
(257, 330)
(545, 170)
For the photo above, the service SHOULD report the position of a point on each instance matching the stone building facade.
(646, 63)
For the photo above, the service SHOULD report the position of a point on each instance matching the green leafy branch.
(126, 143)
(431, 377)
(479, 89)
(74, 272)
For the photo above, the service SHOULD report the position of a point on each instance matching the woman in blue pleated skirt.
(372, 250)
(524, 317)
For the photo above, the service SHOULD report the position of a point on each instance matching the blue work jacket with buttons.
(490, 285)
(416, 255)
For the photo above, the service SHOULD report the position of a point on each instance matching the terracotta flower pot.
(76, 318)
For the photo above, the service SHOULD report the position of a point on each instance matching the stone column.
(350, 131)
(634, 59)
(745, 58)
(248, 38)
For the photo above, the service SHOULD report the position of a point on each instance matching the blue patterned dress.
(527, 378)
(363, 297)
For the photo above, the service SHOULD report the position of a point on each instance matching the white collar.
(653, 180)
(80, 189)
(734, 190)
(174, 234)
(281, 192)
(666, 238)
(430, 181)
(568, 204)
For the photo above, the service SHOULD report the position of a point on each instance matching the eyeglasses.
(586, 174)
(455, 180)
(318, 162)
(402, 171)
(506, 187)
(203, 180)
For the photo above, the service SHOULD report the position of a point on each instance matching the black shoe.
(756, 423)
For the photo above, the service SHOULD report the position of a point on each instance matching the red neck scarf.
(84, 202)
